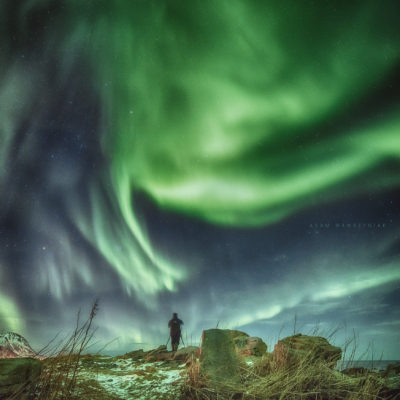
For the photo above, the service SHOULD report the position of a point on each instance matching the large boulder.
(219, 362)
(296, 349)
(250, 346)
(18, 376)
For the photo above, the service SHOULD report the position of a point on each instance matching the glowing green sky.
(238, 113)
(10, 316)
(233, 114)
(222, 115)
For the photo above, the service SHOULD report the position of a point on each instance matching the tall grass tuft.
(306, 379)
(61, 363)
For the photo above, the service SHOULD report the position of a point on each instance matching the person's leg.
(175, 342)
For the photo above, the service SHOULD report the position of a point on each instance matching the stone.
(163, 356)
(219, 362)
(355, 371)
(136, 354)
(186, 353)
(159, 354)
(392, 370)
(19, 375)
(236, 334)
(250, 346)
(299, 348)
(159, 349)
(392, 381)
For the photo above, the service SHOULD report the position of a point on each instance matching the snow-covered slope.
(13, 345)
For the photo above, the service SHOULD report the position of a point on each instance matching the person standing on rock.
(175, 331)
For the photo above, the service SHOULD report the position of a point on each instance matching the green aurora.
(240, 113)
(237, 113)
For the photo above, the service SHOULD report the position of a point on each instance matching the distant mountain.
(13, 345)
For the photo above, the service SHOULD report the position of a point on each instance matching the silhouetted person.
(175, 331)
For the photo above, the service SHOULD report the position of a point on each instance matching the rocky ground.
(229, 363)
(125, 378)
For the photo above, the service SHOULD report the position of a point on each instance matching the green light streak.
(10, 317)
(224, 120)
(325, 289)
(229, 111)
(127, 249)
(360, 281)
(219, 110)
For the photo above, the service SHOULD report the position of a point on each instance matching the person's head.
(175, 315)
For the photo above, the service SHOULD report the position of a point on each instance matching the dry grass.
(305, 380)
(90, 389)
(308, 381)
(62, 363)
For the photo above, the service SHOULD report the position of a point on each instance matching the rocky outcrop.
(186, 353)
(162, 354)
(159, 354)
(392, 370)
(134, 355)
(236, 334)
(355, 372)
(219, 362)
(392, 382)
(250, 346)
(18, 377)
(13, 345)
(299, 348)
(5, 352)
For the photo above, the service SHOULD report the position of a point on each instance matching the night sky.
(236, 162)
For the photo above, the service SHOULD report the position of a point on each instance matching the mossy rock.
(303, 348)
(18, 375)
(250, 346)
(219, 362)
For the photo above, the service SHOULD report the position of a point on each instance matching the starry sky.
(237, 162)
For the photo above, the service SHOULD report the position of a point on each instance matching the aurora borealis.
(237, 162)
